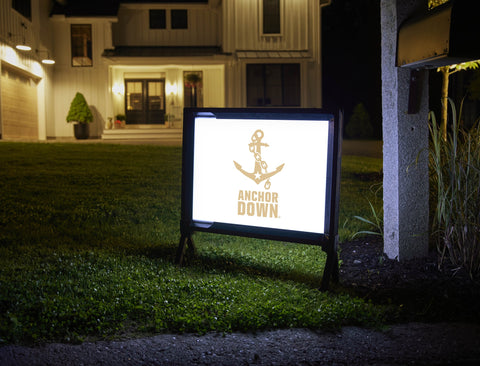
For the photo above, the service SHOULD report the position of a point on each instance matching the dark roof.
(84, 8)
(159, 51)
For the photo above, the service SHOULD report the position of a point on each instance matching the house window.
(179, 19)
(273, 85)
(271, 16)
(24, 7)
(158, 19)
(81, 45)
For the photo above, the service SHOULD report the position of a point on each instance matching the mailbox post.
(414, 40)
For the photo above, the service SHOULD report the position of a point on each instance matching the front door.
(145, 101)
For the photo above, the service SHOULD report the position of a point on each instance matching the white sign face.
(264, 173)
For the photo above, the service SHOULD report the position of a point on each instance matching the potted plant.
(81, 116)
(120, 120)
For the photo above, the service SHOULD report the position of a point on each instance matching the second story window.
(271, 17)
(179, 19)
(81, 44)
(158, 19)
(24, 7)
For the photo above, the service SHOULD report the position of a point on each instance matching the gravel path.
(405, 344)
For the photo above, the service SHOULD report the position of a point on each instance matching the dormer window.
(179, 19)
(158, 19)
(81, 45)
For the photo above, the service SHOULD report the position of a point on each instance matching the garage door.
(19, 105)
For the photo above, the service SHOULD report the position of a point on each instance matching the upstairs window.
(24, 7)
(81, 45)
(271, 17)
(158, 19)
(179, 19)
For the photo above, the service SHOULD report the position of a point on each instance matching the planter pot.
(81, 131)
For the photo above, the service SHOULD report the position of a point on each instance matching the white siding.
(242, 29)
(92, 81)
(133, 29)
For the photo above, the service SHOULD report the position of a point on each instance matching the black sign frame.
(328, 240)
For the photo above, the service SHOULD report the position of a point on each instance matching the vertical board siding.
(133, 29)
(91, 81)
(247, 35)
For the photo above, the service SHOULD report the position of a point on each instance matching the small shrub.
(359, 125)
(79, 110)
(455, 181)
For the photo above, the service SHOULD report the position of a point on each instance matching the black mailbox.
(446, 35)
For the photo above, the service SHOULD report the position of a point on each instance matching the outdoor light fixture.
(22, 45)
(46, 60)
(172, 88)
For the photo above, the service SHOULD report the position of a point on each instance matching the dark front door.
(145, 101)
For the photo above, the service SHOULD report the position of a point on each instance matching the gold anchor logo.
(260, 172)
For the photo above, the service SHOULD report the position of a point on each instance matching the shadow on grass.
(208, 262)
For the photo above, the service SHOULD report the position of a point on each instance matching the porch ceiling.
(159, 51)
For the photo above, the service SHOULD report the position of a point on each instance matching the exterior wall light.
(22, 44)
(46, 60)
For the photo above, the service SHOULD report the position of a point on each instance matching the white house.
(147, 60)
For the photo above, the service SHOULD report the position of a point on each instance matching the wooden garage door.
(19, 105)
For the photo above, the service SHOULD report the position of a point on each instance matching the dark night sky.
(351, 58)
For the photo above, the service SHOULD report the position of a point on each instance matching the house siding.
(233, 26)
(133, 28)
(36, 32)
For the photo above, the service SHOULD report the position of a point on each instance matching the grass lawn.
(88, 234)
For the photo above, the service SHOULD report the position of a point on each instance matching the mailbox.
(446, 35)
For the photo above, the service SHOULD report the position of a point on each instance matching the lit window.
(81, 45)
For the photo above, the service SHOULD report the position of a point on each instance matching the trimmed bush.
(79, 110)
(359, 125)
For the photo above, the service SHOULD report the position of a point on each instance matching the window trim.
(282, 19)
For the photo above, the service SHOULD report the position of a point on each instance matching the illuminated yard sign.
(263, 173)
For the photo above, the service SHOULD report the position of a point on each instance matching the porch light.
(172, 88)
(22, 44)
(46, 60)
(118, 89)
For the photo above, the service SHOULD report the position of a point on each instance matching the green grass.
(88, 234)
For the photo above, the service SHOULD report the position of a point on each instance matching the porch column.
(405, 137)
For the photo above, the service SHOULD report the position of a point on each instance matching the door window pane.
(273, 85)
(81, 43)
(134, 94)
(156, 95)
(291, 84)
(255, 85)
